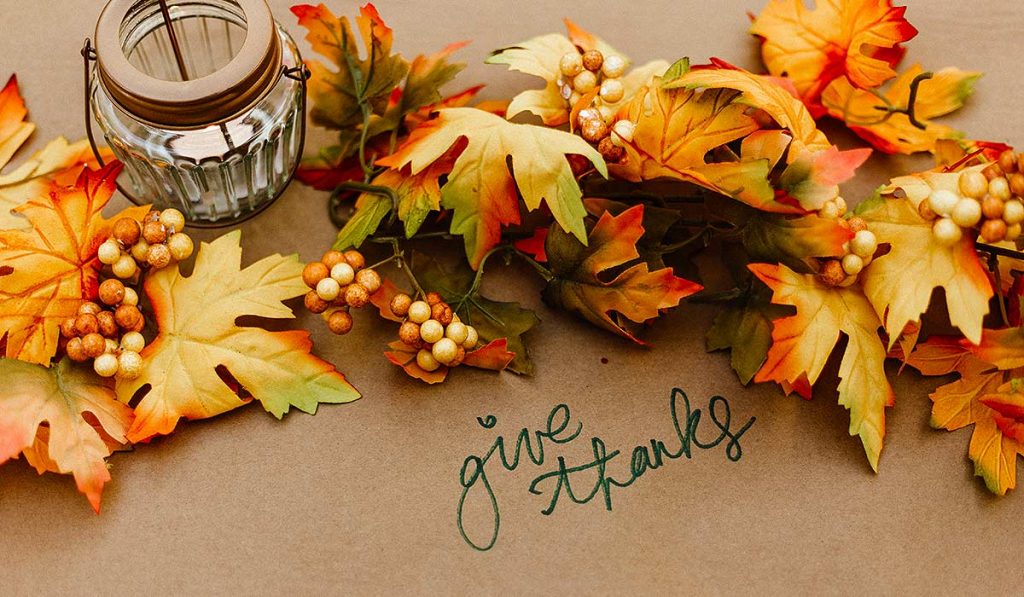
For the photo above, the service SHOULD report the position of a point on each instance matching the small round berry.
(154, 232)
(924, 209)
(472, 337)
(946, 232)
(94, 345)
(623, 130)
(993, 231)
(594, 130)
(109, 252)
(612, 90)
(328, 289)
(131, 298)
(140, 250)
(129, 318)
(425, 359)
(110, 346)
(444, 350)
(1013, 232)
(158, 256)
(614, 66)
(89, 307)
(152, 216)
(570, 64)
(999, 188)
(172, 219)
(125, 267)
(356, 296)
(1016, 184)
(181, 246)
(369, 279)
(313, 273)
(942, 201)
(584, 83)
(442, 312)
(332, 258)
(86, 323)
(1008, 161)
(973, 184)
(460, 355)
(852, 264)
(111, 292)
(992, 171)
(133, 341)
(829, 210)
(400, 304)
(355, 259)
(857, 224)
(832, 273)
(1013, 212)
(75, 351)
(127, 231)
(315, 304)
(339, 322)
(67, 328)
(966, 213)
(864, 243)
(607, 113)
(574, 98)
(433, 298)
(409, 333)
(107, 324)
(419, 312)
(992, 208)
(431, 331)
(105, 365)
(343, 273)
(129, 365)
(841, 205)
(593, 60)
(457, 331)
(611, 152)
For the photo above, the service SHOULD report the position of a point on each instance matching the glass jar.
(196, 98)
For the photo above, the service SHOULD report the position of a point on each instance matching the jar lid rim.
(197, 102)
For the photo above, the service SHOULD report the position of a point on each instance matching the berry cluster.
(858, 253)
(157, 242)
(989, 200)
(108, 333)
(584, 73)
(431, 326)
(339, 281)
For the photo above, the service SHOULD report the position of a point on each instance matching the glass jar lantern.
(203, 101)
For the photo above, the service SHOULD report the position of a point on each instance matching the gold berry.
(133, 342)
(89, 307)
(158, 256)
(105, 365)
(584, 83)
(139, 251)
(594, 130)
(457, 331)
(472, 337)
(431, 331)
(130, 297)
(108, 252)
(181, 246)
(973, 184)
(1008, 161)
(444, 350)
(369, 279)
(614, 66)
(328, 289)
(129, 365)
(125, 267)
(172, 220)
(425, 359)
(419, 312)
(570, 64)
(343, 273)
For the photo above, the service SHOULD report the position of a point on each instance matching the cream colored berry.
(181, 246)
(966, 213)
(445, 350)
(946, 232)
(612, 90)
(425, 359)
(124, 267)
(852, 264)
(133, 341)
(472, 337)
(607, 113)
(131, 298)
(1013, 232)
(571, 64)
(942, 201)
(369, 279)
(129, 365)
(864, 243)
(110, 346)
(328, 289)
(584, 83)
(622, 132)
(105, 365)
(999, 188)
(140, 250)
(614, 66)
(457, 331)
(419, 312)
(109, 252)
(841, 205)
(158, 256)
(172, 219)
(829, 210)
(343, 273)
(973, 183)
(431, 331)
(1013, 212)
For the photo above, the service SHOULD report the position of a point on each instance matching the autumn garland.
(631, 171)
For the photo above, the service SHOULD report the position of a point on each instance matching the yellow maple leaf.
(47, 271)
(900, 283)
(196, 317)
(802, 343)
(482, 190)
(866, 113)
(858, 39)
(64, 419)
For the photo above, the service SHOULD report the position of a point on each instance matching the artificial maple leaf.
(493, 356)
(866, 114)
(959, 404)
(427, 74)
(14, 130)
(337, 94)
(744, 327)
(46, 272)
(900, 283)
(858, 39)
(1008, 404)
(482, 190)
(196, 317)
(62, 402)
(802, 343)
(634, 295)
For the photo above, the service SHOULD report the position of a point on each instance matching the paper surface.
(363, 497)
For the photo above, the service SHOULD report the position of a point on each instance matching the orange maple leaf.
(46, 272)
(858, 39)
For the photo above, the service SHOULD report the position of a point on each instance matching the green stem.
(544, 272)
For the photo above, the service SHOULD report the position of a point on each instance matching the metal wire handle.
(299, 73)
